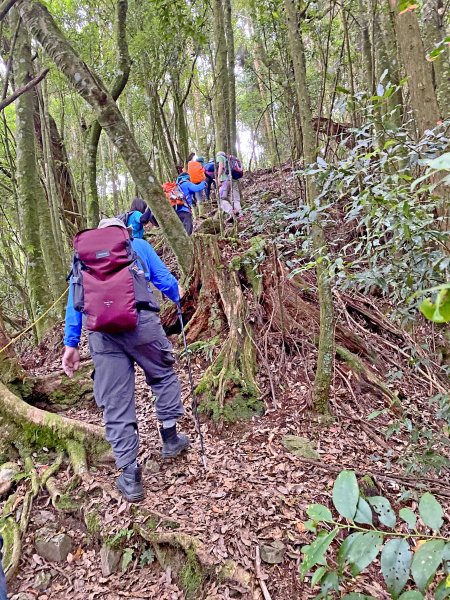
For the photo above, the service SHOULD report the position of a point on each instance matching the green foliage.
(359, 546)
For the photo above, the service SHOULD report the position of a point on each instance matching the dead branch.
(23, 89)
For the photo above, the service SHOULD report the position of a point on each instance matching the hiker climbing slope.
(196, 173)
(188, 189)
(110, 296)
(138, 215)
(228, 172)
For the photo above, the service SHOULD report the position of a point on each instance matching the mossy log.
(60, 391)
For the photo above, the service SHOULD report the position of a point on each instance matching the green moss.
(191, 576)
(92, 521)
(40, 435)
(66, 504)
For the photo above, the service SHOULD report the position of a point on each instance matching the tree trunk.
(221, 82)
(366, 45)
(388, 43)
(268, 131)
(419, 71)
(324, 371)
(229, 34)
(42, 26)
(435, 30)
(44, 264)
(123, 73)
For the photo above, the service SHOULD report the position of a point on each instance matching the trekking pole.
(191, 382)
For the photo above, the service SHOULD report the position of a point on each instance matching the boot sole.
(130, 497)
(175, 454)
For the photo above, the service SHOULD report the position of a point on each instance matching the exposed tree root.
(196, 557)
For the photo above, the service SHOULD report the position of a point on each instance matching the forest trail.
(255, 491)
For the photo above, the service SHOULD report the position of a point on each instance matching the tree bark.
(435, 30)
(42, 26)
(325, 359)
(419, 71)
(95, 130)
(229, 35)
(221, 82)
(44, 263)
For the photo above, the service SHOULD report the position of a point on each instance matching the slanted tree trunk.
(93, 138)
(435, 30)
(41, 25)
(418, 69)
(322, 382)
(44, 263)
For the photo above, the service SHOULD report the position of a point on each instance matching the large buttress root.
(228, 387)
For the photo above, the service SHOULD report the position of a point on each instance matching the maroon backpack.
(108, 281)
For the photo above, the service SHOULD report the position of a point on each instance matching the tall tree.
(419, 71)
(41, 25)
(325, 359)
(229, 35)
(221, 80)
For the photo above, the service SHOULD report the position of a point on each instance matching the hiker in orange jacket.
(196, 171)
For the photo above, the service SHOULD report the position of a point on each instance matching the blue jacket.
(157, 273)
(209, 169)
(188, 188)
(2, 575)
(137, 221)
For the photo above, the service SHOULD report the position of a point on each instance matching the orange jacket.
(196, 171)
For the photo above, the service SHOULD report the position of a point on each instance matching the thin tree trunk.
(42, 26)
(221, 83)
(123, 73)
(229, 35)
(322, 381)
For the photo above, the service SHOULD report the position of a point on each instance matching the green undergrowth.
(191, 576)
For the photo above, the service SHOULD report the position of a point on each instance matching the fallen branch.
(23, 89)
(261, 581)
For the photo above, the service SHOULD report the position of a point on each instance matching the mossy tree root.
(228, 388)
(11, 537)
(199, 564)
(28, 424)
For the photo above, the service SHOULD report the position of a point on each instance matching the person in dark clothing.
(184, 211)
(139, 215)
(210, 177)
(3, 592)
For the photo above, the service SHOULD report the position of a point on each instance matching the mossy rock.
(300, 446)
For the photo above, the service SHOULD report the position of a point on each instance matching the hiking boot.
(173, 443)
(129, 483)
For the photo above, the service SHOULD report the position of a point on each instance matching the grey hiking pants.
(114, 357)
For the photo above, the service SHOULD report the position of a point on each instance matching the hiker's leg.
(186, 218)
(237, 209)
(209, 182)
(114, 392)
(153, 352)
(224, 203)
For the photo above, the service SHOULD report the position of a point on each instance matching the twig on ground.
(261, 582)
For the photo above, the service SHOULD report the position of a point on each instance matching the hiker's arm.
(197, 187)
(73, 323)
(145, 218)
(220, 170)
(160, 275)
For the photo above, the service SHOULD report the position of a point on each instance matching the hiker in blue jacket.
(3, 593)
(114, 357)
(210, 177)
(139, 215)
(188, 188)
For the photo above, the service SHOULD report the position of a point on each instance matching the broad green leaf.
(363, 551)
(330, 582)
(345, 547)
(319, 512)
(411, 595)
(315, 551)
(408, 516)
(426, 561)
(383, 508)
(318, 574)
(446, 559)
(346, 494)
(443, 589)
(396, 559)
(431, 511)
(363, 512)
